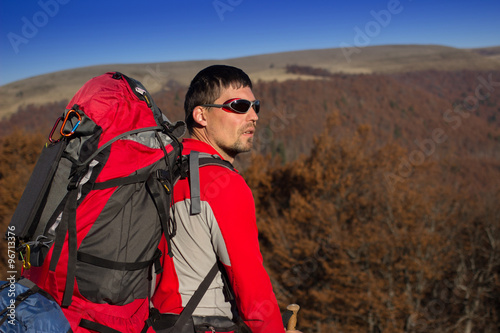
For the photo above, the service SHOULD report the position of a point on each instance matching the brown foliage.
(360, 254)
(34, 118)
(377, 196)
(18, 154)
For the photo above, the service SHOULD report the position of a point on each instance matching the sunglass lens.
(256, 106)
(241, 105)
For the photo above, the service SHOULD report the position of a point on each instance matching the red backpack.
(97, 203)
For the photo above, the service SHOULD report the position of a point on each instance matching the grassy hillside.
(61, 85)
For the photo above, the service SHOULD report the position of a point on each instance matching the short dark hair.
(206, 87)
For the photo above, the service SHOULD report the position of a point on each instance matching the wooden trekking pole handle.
(293, 319)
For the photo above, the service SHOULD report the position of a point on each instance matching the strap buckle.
(163, 178)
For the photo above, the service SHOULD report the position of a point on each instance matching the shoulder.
(219, 182)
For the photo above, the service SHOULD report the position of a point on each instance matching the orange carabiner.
(74, 127)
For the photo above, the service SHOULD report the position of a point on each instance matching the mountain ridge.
(62, 85)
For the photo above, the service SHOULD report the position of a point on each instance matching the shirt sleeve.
(233, 206)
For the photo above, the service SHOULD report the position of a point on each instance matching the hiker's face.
(231, 133)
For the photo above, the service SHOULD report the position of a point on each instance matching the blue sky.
(42, 36)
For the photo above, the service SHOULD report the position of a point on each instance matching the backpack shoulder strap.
(195, 299)
(194, 182)
(169, 323)
(196, 161)
(208, 159)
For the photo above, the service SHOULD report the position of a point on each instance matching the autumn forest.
(377, 195)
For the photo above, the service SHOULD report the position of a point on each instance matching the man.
(221, 116)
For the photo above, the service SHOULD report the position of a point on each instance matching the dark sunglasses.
(237, 105)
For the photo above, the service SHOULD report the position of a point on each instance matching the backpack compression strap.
(67, 224)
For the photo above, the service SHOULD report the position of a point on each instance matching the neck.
(201, 136)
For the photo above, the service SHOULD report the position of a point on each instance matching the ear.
(200, 116)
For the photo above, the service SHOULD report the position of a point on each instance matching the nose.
(252, 115)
